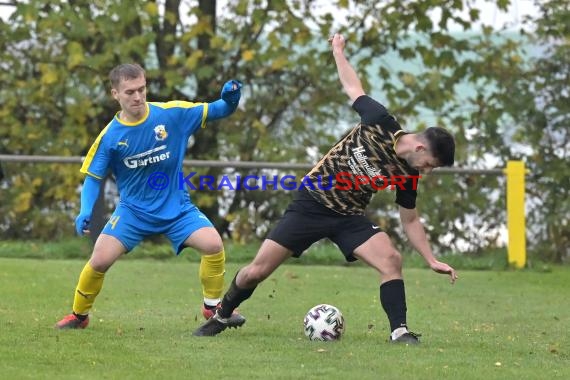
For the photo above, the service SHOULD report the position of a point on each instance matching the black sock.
(233, 298)
(80, 316)
(393, 300)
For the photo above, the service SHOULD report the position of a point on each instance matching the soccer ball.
(324, 322)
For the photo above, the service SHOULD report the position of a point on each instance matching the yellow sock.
(89, 285)
(212, 269)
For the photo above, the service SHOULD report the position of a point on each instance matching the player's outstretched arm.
(346, 73)
(416, 234)
(89, 195)
(228, 102)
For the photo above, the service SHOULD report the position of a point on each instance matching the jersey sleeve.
(406, 197)
(98, 158)
(373, 113)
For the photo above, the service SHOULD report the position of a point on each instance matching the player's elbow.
(408, 216)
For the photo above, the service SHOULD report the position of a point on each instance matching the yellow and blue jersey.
(134, 152)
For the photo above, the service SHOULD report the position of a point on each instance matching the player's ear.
(420, 148)
(114, 93)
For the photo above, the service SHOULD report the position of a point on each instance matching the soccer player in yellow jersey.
(374, 151)
(143, 147)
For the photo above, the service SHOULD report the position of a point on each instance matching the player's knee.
(99, 265)
(254, 274)
(394, 259)
(101, 261)
(212, 246)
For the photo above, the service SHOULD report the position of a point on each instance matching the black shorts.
(307, 221)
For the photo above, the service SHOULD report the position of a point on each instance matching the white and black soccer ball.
(324, 322)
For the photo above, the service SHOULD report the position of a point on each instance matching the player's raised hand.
(443, 268)
(337, 41)
(231, 91)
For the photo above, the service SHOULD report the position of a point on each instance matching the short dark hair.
(441, 144)
(125, 71)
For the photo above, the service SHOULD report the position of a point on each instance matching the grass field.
(490, 325)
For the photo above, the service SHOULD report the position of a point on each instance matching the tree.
(545, 121)
(55, 57)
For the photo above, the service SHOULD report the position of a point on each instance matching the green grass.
(143, 320)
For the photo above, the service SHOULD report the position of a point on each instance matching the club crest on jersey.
(160, 133)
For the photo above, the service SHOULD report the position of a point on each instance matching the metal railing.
(515, 173)
(228, 164)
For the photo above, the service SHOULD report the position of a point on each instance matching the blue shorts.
(129, 229)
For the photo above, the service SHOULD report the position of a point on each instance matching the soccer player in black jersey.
(374, 152)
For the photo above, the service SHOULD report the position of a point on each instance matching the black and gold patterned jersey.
(363, 162)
